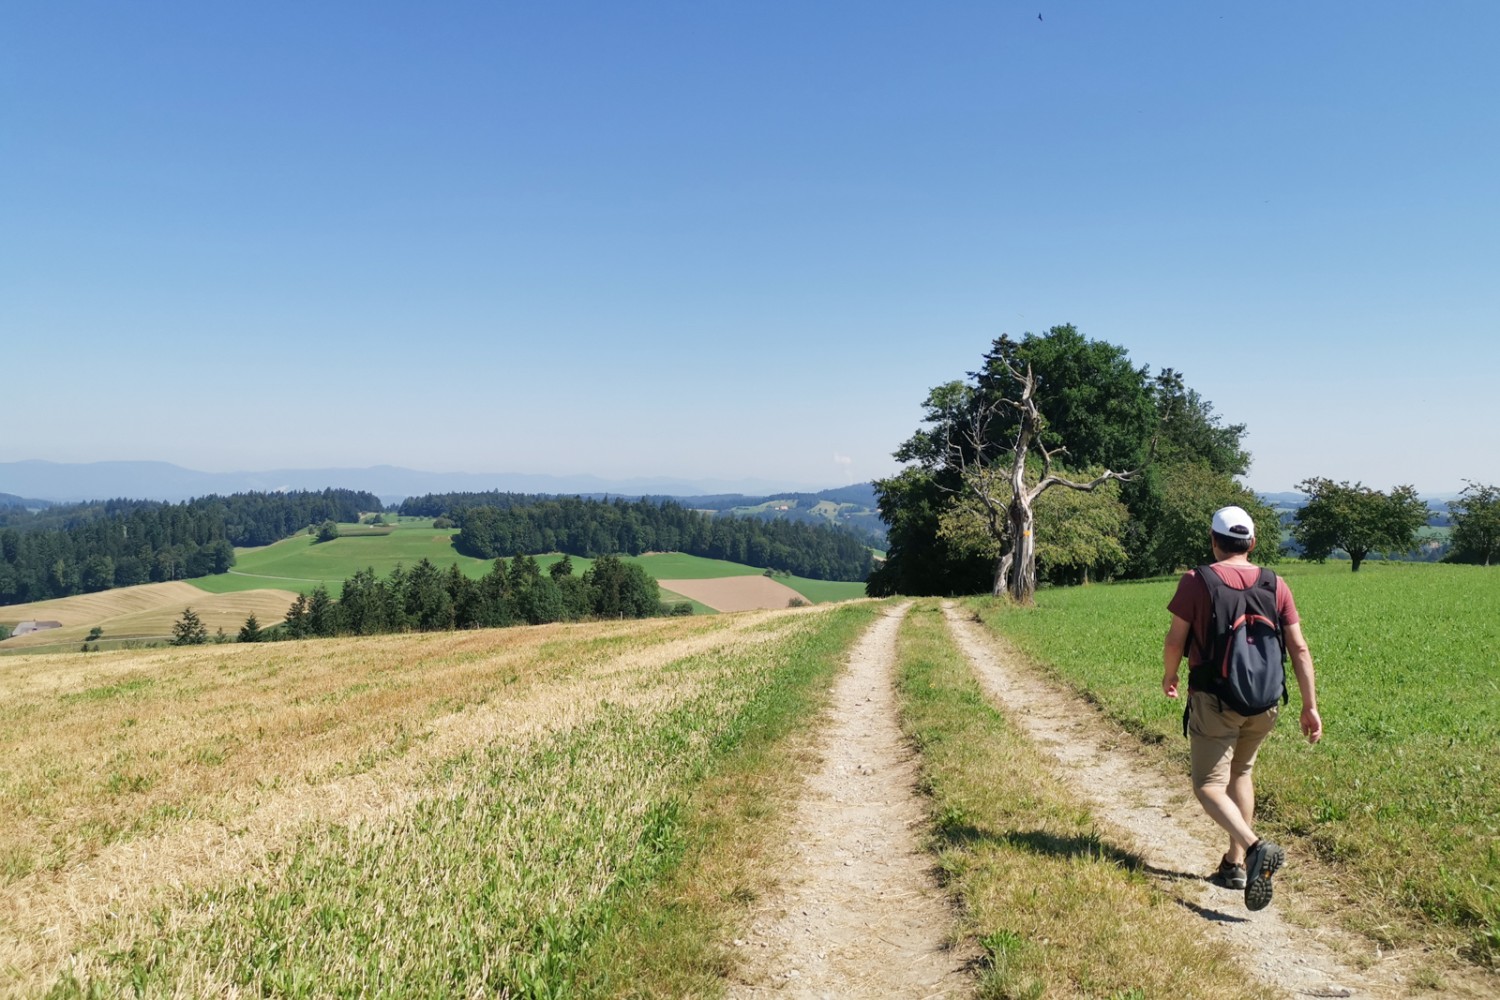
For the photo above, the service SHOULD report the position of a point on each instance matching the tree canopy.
(1357, 519)
(1476, 524)
(1100, 411)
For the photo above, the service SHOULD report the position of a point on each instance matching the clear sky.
(739, 239)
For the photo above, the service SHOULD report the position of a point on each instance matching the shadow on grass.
(1043, 842)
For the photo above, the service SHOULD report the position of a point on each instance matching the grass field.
(1402, 797)
(501, 812)
(300, 563)
(134, 615)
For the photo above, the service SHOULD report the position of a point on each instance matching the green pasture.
(300, 563)
(1402, 794)
(678, 566)
(821, 591)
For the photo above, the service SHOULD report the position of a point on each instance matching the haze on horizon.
(738, 243)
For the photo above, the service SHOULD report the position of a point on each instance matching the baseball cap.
(1233, 521)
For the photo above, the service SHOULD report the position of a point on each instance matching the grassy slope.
(300, 564)
(1403, 793)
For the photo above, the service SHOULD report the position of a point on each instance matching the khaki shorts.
(1224, 742)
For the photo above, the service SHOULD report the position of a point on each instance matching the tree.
(250, 631)
(295, 624)
(1357, 519)
(327, 531)
(1002, 487)
(189, 629)
(1476, 523)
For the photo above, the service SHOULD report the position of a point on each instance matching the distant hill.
(74, 482)
(11, 500)
(853, 507)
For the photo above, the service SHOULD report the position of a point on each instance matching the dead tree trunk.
(1011, 518)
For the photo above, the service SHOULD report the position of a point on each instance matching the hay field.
(147, 616)
(452, 812)
(736, 593)
(91, 609)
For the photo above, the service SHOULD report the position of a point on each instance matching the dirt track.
(858, 914)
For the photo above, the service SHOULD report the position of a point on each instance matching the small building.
(26, 628)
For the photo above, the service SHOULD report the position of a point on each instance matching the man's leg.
(1252, 733)
(1214, 738)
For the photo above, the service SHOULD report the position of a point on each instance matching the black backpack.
(1246, 666)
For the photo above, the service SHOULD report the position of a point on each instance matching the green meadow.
(1401, 797)
(301, 563)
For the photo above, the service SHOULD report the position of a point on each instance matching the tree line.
(428, 599)
(84, 548)
(592, 528)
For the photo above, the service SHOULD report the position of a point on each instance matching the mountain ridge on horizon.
(74, 482)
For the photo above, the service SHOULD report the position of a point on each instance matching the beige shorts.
(1224, 742)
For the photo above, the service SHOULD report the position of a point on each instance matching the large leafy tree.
(1357, 519)
(1476, 523)
(1103, 412)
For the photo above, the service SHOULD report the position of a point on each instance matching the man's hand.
(1312, 725)
(1169, 684)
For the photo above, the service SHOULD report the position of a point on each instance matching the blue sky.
(737, 240)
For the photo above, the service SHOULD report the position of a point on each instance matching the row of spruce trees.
(428, 599)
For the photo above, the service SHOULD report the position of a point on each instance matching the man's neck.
(1234, 558)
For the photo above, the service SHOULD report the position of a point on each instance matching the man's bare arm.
(1171, 655)
(1302, 666)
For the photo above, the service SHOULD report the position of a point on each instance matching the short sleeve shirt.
(1191, 603)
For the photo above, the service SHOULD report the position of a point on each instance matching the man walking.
(1225, 741)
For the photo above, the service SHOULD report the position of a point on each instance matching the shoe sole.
(1258, 887)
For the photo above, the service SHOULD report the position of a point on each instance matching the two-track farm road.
(859, 913)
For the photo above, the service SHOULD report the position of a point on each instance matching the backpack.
(1246, 667)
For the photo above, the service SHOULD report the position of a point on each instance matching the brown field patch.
(735, 593)
(153, 620)
(91, 609)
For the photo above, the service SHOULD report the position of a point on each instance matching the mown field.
(482, 813)
(1401, 799)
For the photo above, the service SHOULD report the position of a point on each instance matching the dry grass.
(129, 776)
(91, 609)
(216, 611)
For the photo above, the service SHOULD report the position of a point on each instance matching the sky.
(738, 240)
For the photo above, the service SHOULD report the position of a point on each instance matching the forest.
(82, 548)
(428, 599)
(592, 528)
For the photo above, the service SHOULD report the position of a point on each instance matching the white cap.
(1233, 522)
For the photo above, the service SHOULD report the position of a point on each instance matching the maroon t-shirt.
(1191, 603)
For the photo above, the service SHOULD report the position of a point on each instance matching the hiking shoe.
(1229, 876)
(1262, 861)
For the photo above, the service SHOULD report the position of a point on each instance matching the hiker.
(1246, 672)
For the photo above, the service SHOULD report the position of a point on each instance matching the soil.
(858, 913)
(735, 593)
